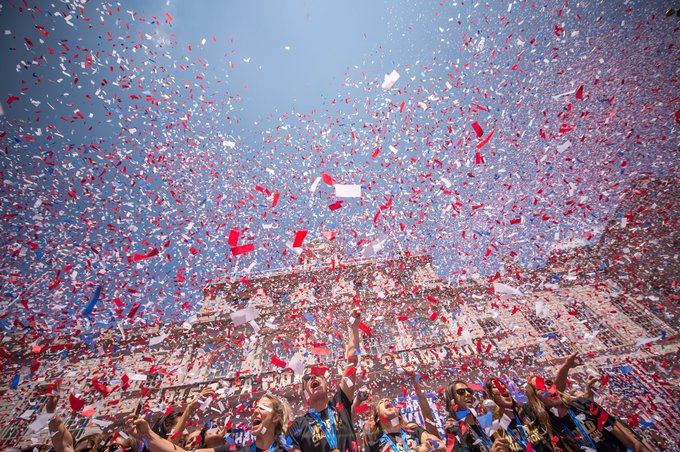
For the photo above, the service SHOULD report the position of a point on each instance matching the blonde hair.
(544, 418)
(281, 407)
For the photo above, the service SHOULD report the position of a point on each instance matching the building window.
(639, 315)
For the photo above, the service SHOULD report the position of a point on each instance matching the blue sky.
(124, 132)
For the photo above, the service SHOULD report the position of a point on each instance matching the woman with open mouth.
(268, 421)
(580, 423)
(519, 424)
(464, 433)
(392, 434)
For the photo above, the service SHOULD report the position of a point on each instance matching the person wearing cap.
(327, 424)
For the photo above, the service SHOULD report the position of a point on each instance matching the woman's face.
(264, 419)
(84, 446)
(548, 394)
(502, 399)
(463, 397)
(315, 386)
(214, 439)
(387, 412)
(191, 439)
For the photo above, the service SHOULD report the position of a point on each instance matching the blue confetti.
(15, 382)
(93, 301)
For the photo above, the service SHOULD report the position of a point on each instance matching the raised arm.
(629, 440)
(175, 435)
(360, 397)
(62, 440)
(561, 377)
(425, 409)
(347, 383)
(139, 428)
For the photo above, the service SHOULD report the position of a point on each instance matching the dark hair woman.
(463, 430)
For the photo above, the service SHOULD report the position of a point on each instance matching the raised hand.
(53, 399)
(207, 391)
(573, 360)
(355, 316)
(137, 426)
(501, 445)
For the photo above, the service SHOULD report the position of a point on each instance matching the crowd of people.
(553, 418)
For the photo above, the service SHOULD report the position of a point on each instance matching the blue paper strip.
(95, 297)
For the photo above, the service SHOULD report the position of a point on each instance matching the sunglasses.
(463, 391)
(308, 377)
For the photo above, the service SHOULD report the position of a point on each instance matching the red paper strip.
(299, 238)
(482, 143)
(579, 92)
(76, 403)
(233, 237)
(362, 408)
(277, 362)
(139, 257)
(364, 328)
(327, 179)
(478, 129)
(336, 205)
(319, 370)
(243, 249)
(133, 311)
(540, 383)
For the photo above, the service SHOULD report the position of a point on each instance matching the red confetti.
(364, 328)
(299, 238)
(478, 129)
(327, 179)
(133, 310)
(76, 403)
(482, 143)
(318, 370)
(243, 249)
(278, 362)
(540, 383)
(233, 237)
(139, 257)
